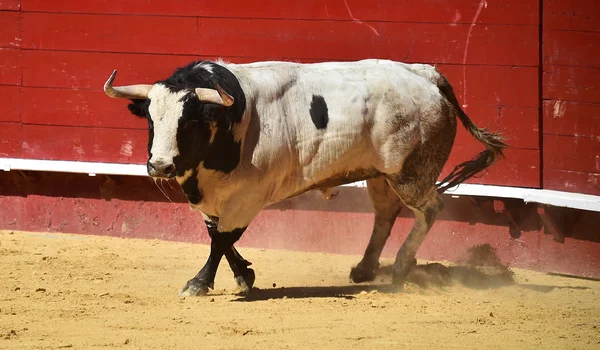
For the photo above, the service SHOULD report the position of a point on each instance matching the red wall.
(571, 95)
(56, 55)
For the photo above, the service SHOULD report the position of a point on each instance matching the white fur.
(207, 66)
(165, 110)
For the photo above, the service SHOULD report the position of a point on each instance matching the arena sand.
(62, 291)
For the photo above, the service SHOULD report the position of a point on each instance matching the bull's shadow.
(342, 292)
(426, 276)
(432, 275)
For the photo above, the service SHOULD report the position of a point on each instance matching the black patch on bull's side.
(318, 112)
(191, 189)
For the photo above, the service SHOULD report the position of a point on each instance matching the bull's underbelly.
(334, 180)
(344, 178)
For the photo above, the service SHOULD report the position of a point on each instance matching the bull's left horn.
(134, 92)
(218, 96)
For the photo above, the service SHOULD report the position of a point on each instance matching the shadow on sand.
(480, 270)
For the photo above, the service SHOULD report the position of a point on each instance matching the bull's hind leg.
(244, 276)
(387, 206)
(425, 203)
(415, 185)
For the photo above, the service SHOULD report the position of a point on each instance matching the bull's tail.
(493, 142)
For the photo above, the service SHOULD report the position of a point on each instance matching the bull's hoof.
(360, 274)
(245, 282)
(195, 287)
(401, 269)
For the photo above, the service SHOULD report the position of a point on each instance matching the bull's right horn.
(216, 96)
(133, 92)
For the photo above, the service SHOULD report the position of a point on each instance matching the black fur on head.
(204, 74)
(198, 119)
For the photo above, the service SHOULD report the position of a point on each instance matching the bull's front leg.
(221, 244)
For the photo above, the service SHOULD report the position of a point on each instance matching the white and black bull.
(240, 137)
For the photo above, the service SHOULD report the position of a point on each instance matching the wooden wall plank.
(85, 108)
(520, 126)
(571, 83)
(581, 15)
(495, 85)
(109, 33)
(572, 181)
(414, 42)
(487, 86)
(520, 167)
(571, 48)
(457, 11)
(440, 43)
(572, 153)
(89, 70)
(10, 108)
(571, 109)
(10, 5)
(10, 140)
(571, 118)
(85, 144)
(10, 29)
(521, 12)
(10, 66)
(129, 7)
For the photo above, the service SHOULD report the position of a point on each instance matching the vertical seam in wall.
(541, 91)
(20, 149)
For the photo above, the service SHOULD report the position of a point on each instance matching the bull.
(239, 137)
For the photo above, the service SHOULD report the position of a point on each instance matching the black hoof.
(195, 287)
(246, 282)
(401, 269)
(360, 274)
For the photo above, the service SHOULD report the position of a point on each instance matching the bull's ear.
(139, 107)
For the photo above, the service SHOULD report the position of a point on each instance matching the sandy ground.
(73, 291)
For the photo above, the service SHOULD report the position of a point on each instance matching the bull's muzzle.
(161, 169)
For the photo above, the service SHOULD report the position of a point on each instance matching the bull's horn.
(134, 92)
(218, 96)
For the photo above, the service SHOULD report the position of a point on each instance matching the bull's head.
(181, 120)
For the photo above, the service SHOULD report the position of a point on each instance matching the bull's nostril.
(169, 169)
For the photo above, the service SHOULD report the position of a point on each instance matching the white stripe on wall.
(549, 197)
